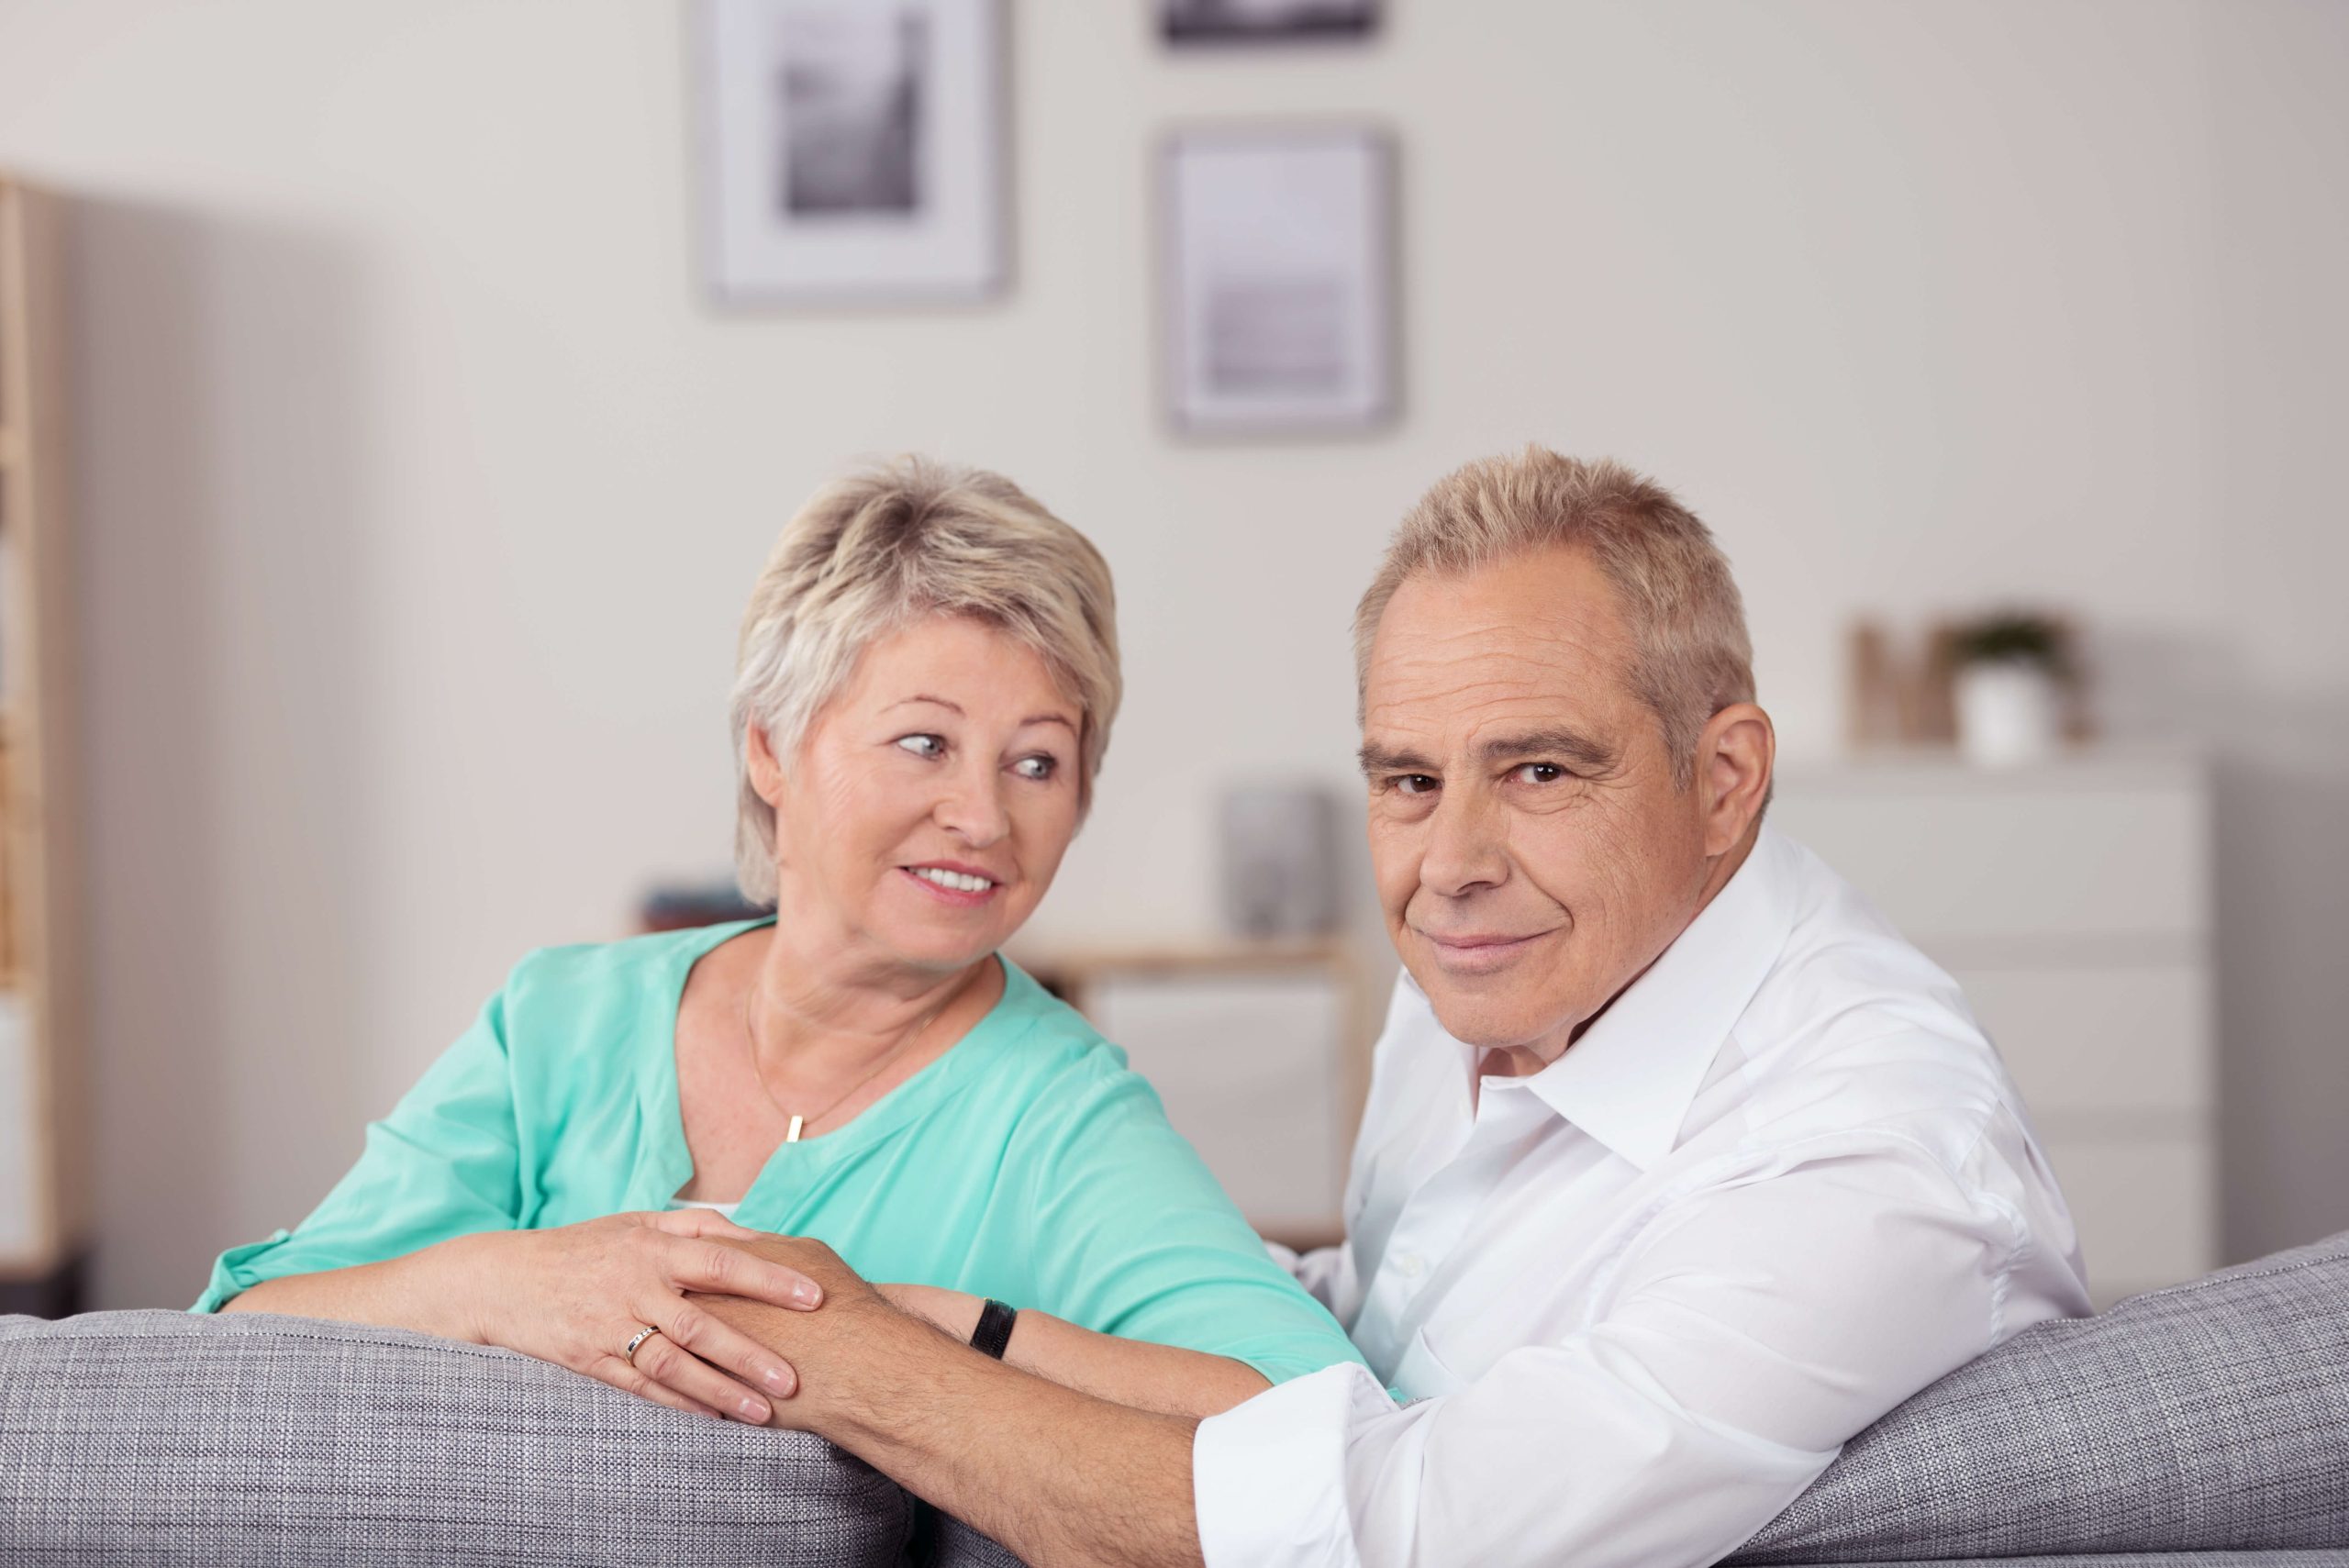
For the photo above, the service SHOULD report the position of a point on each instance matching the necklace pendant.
(793, 1136)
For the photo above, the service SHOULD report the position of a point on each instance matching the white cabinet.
(2072, 901)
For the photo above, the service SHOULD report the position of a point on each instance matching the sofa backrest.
(2207, 1416)
(150, 1438)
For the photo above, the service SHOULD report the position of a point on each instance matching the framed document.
(852, 150)
(1279, 281)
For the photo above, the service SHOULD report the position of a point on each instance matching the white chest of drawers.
(2071, 899)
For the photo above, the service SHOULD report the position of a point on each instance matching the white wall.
(421, 489)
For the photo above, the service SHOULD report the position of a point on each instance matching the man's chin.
(1485, 1015)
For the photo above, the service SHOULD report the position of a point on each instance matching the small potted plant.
(2010, 670)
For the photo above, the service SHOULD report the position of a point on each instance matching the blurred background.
(406, 395)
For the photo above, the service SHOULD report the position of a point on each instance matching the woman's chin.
(944, 945)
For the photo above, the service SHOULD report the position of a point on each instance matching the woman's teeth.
(953, 879)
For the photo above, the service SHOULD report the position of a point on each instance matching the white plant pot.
(2009, 713)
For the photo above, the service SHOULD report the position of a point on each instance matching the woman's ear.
(766, 773)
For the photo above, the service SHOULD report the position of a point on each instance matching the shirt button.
(1410, 1266)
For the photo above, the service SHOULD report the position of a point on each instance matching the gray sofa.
(2203, 1425)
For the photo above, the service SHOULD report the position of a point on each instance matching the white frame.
(1317, 196)
(954, 250)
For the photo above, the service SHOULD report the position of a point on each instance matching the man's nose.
(1464, 849)
(973, 808)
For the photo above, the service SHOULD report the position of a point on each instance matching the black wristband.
(994, 1331)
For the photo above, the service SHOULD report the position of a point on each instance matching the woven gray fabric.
(958, 1545)
(147, 1440)
(2209, 1417)
(2328, 1557)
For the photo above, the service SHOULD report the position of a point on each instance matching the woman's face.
(931, 801)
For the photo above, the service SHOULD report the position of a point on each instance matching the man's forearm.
(1062, 1478)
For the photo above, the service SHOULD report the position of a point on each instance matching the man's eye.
(1037, 767)
(1540, 772)
(1413, 783)
(924, 745)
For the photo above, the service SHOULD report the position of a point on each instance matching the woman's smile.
(959, 887)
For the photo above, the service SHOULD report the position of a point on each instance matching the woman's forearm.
(1158, 1378)
(421, 1291)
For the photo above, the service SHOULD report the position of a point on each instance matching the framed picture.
(854, 150)
(1255, 21)
(1278, 278)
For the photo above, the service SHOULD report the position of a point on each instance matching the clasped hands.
(756, 1328)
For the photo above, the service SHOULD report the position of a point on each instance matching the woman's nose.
(973, 808)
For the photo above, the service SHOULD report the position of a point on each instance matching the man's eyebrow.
(1570, 745)
(1378, 759)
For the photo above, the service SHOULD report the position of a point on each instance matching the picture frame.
(853, 151)
(1277, 278)
(1220, 22)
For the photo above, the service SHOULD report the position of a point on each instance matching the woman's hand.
(576, 1294)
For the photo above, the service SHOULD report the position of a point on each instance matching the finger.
(699, 1222)
(712, 1265)
(719, 1344)
(665, 1362)
(616, 1370)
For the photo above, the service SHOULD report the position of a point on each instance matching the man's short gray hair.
(869, 554)
(1691, 655)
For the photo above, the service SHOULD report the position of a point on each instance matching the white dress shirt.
(1634, 1303)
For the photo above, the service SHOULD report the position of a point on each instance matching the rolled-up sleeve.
(1751, 1328)
(445, 1162)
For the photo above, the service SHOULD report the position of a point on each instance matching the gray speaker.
(1279, 850)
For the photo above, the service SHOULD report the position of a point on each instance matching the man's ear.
(1736, 753)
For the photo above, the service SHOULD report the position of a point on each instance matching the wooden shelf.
(44, 1187)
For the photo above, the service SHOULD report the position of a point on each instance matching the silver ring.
(642, 1335)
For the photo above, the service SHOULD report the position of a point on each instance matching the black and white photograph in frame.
(1261, 21)
(852, 150)
(1278, 277)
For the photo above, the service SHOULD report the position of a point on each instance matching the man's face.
(1533, 855)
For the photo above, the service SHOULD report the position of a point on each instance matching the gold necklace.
(751, 1043)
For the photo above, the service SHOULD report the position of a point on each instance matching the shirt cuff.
(1269, 1475)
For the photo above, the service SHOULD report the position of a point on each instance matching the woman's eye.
(1037, 767)
(924, 745)
(1540, 772)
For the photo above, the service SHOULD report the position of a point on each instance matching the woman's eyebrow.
(1060, 718)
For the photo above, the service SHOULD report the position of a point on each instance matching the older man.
(1679, 1168)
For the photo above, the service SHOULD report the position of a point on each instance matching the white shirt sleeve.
(1322, 1271)
(1751, 1328)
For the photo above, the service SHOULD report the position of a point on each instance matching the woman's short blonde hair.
(1691, 655)
(873, 553)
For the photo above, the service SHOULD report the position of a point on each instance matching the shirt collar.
(1628, 1081)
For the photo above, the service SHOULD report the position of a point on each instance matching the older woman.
(927, 676)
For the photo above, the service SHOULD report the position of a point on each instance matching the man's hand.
(1061, 1477)
(846, 1340)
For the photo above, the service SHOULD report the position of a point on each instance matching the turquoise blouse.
(1027, 1163)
